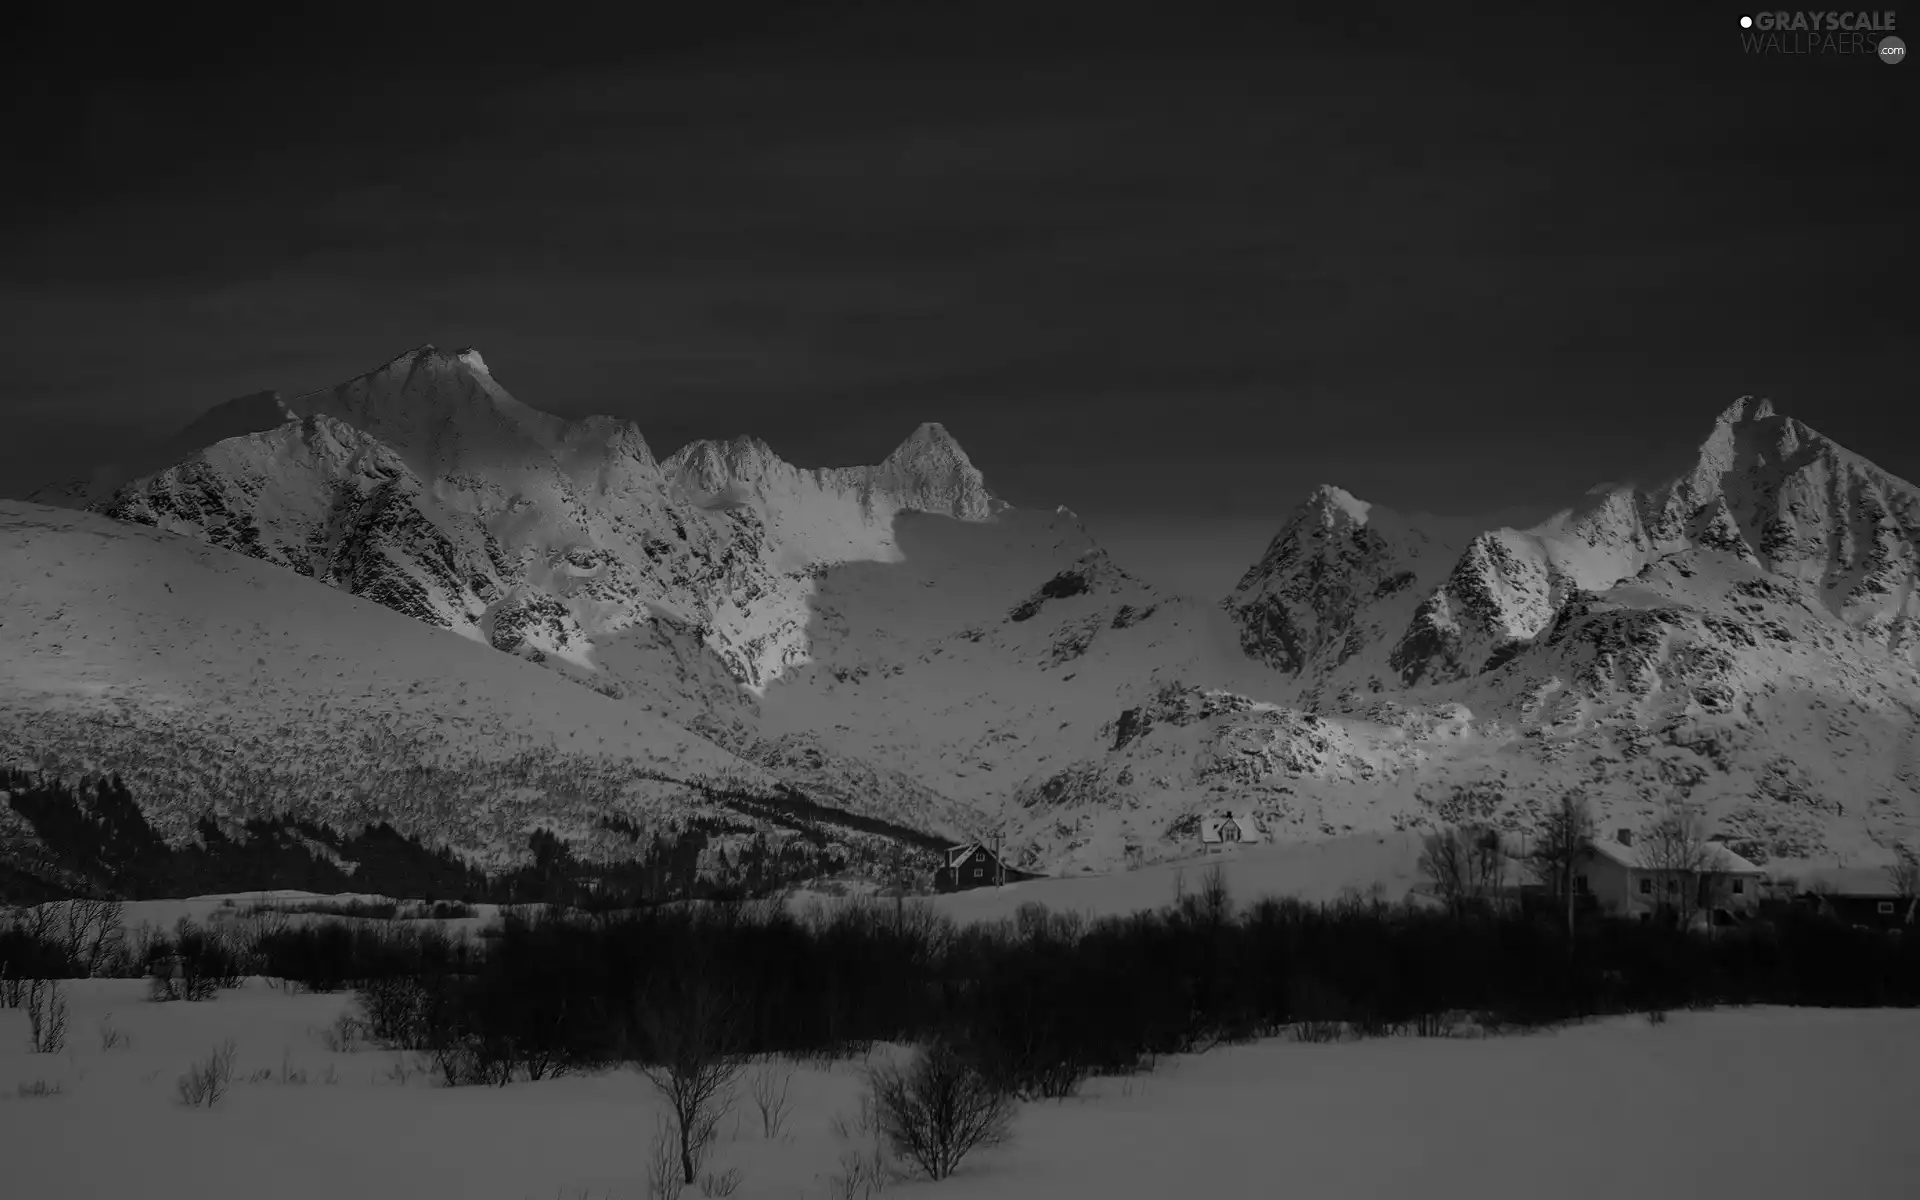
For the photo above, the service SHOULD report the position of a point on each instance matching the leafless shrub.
(46, 1016)
(1656, 1016)
(865, 1169)
(111, 1038)
(692, 1038)
(939, 1109)
(861, 1176)
(719, 1186)
(1436, 1024)
(465, 1059)
(1903, 874)
(38, 1089)
(206, 1082)
(398, 1012)
(345, 1035)
(768, 1085)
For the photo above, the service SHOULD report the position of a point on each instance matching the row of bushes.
(1045, 999)
(87, 938)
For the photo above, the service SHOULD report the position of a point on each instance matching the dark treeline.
(95, 841)
(1045, 1000)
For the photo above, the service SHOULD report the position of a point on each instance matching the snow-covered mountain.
(1743, 635)
(426, 486)
(895, 640)
(1765, 489)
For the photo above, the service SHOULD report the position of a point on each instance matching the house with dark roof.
(1225, 831)
(1623, 882)
(974, 865)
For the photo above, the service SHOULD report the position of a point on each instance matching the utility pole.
(999, 864)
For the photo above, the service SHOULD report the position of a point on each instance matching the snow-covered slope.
(213, 682)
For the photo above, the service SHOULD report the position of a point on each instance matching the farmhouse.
(1620, 879)
(970, 866)
(1220, 832)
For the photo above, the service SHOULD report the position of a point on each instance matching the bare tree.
(108, 929)
(1674, 846)
(1903, 874)
(84, 927)
(1464, 866)
(46, 1016)
(692, 1056)
(940, 1109)
(1564, 835)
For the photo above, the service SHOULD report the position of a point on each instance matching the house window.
(1673, 886)
(977, 872)
(1885, 907)
(1580, 885)
(1739, 887)
(1646, 887)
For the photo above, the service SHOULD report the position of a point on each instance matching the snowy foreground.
(1749, 1103)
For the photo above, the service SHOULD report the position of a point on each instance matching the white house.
(1618, 876)
(1220, 832)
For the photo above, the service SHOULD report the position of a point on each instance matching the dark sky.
(1172, 265)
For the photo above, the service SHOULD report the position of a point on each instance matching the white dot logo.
(1746, 22)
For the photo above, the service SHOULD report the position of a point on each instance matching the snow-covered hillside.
(212, 682)
(897, 641)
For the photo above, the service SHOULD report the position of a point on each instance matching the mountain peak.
(430, 357)
(1746, 408)
(930, 443)
(1335, 507)
(424, 352)
(934, 474)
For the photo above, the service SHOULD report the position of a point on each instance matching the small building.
(1218, 833)
(970, 866)
(1867, 910)
(1622, 883)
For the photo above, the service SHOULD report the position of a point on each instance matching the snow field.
(1756, 1103)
